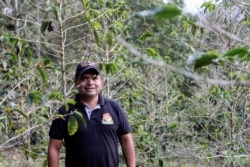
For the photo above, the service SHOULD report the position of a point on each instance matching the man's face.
(89, 84)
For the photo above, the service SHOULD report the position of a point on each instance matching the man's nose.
(90, 81)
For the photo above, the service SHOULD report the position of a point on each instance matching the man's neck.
(90, 101)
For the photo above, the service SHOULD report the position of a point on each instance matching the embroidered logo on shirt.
(107, 119)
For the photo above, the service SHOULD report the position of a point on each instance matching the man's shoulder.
(67, 107)
(110, 101)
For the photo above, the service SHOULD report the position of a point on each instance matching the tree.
(181, 114)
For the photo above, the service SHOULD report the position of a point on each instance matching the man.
(96, 144)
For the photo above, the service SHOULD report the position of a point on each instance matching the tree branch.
(187, 74)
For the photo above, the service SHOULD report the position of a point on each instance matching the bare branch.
(3, 145)
(219, 30)
(187, 74)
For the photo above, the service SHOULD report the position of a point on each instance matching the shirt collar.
(101, 100)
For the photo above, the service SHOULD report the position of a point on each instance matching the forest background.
(182, 79)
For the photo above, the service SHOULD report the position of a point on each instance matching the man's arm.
(128, 149)
(53, 152)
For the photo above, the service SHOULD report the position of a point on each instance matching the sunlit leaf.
(59, 116)
(236, 51)
(35, 97)
(205, 60)
(72, 125)
(166, 12)
(151, 52)
(8, 110)
(208, 6)
(10, 123)
(96, 25)
(145, 35)
(70, 101)
(85, 3)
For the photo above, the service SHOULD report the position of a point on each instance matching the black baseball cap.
(85, 66)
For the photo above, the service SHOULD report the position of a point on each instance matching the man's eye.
(84, 78)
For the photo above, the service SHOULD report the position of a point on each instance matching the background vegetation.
(183, 79)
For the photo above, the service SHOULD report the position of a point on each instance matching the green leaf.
(205, 59)
(145, 35)
(113, 68)
(85, 3)
(208, 6)
(10, 123)
(101, 66)
(236, 51)
(57, 13)
(29, 53)
(166, 12)
(46, 61)
(14, 40)
(67, 102)
(59, 116)
(12, 56)
(36, 96)
(70, 101)
(44, 26)
(20, 112)
(151, 52)
(96, 37)
(20, 130)
(107, 68)
(42, 74)
(108, 38)
(55, 95)
(160, 163)
(79, 115)
(72, 125)
(96, 25)
(110, 68)
(172, 125)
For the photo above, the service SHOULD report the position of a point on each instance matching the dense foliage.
(182, 79)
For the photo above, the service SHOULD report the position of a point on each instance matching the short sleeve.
(124, 126)
(57, 129)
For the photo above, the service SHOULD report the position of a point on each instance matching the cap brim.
(89, 68)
